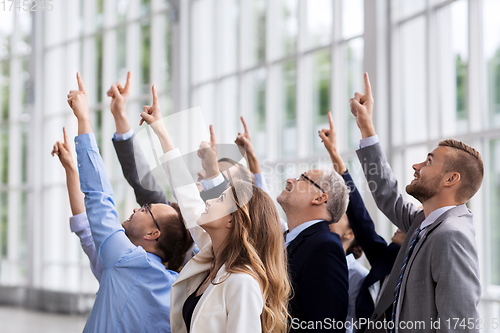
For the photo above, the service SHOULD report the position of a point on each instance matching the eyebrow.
(430, 155)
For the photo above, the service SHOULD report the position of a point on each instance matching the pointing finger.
(81, 87)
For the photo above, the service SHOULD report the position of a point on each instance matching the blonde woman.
(238, 282)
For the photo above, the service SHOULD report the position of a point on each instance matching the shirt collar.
(296, 231)
(434, 216)
(350, 259)
(154, 257)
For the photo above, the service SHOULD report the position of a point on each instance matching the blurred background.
(282, 64)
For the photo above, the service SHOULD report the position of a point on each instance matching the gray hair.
(337, 191)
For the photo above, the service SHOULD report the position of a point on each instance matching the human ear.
(451, 178)
(151, 236)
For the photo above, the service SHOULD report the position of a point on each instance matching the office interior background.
(282, 64)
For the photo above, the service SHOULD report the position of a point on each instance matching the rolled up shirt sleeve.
(79, 224)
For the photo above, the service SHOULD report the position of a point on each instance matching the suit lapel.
(294, 244)
(453, 212)
(221, 275)
(193, 269)
(387, 296)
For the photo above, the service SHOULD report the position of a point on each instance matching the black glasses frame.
(146, 206)
(312, 182)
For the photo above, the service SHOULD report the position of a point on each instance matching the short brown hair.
(468, 163)
(175, 240)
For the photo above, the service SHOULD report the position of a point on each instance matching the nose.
(290, 180)
(136, 210)
(417, 166)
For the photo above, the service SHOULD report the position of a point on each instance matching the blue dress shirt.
(134, 293)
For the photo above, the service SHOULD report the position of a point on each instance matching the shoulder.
(241, 280)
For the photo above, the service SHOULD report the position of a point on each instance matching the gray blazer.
(441, 280)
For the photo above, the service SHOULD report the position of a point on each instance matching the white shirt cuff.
(124, 136)
(369, 141)
(209, 184)
(79, 222)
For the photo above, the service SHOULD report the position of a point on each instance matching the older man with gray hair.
(316, 259)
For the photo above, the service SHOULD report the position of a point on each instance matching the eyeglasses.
(310, 180)
(146, 206)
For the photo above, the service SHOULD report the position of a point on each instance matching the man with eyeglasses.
(316, 258)
(134, 293)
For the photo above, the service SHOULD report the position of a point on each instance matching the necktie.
(401, 273)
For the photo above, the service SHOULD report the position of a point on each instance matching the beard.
(424, 189)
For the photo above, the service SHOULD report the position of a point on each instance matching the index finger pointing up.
(65, 135)
(244, 124)
(155, 96)
(368, 87)
(81, 87)
(127, 84)
(213, 141)
(330, 119)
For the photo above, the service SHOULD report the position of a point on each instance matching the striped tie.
(401, 273)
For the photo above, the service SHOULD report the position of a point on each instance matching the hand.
(119, 97)
(362, 109)
(63, 151)
(329, 139)
(208, 154)
(78, 101)
(329, 136)
(151, 114)
(244, 140)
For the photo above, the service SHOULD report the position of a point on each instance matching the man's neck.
(294, 220)
(437, 202)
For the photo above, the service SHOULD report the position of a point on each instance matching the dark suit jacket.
(127, 157)
(380, 255)
(319, 277)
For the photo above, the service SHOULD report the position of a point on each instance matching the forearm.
(337, 162)
(99, 200)
(165, 140)
(122, 123)
(253, 163)
(76, 198)
(84, 125)
(367, 130)
(131, 160)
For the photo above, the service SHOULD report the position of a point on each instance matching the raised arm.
(378, 173)
(109, 236)
(131, 159)
(188, 198)
(359, 219)
(79, 223)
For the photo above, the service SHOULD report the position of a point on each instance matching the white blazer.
(233, 306)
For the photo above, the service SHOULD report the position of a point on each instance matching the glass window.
(413, 82)
(145, 71)
(494, 197)
(453, 61)
(353, 18)
(254, 32)
(405, 8)
(355, 83)
(286, 26)
(202, 40)
(491, 51)
(319, 22)
(321, 81)
(289, 109)
(228, 36)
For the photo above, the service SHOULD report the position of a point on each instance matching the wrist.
(70, 167)
(211, 174)
(367, 131)
(122, 124)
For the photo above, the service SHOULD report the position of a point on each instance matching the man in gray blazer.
(434, 284)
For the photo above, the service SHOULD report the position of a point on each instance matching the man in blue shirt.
(134, 293)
